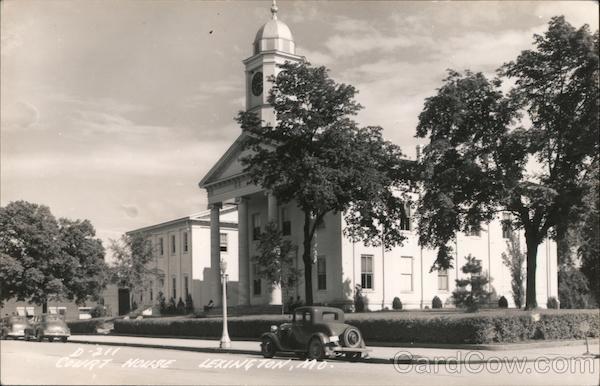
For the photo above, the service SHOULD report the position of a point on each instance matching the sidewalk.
(379, 354)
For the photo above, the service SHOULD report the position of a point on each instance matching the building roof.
(200, 218)
(274, 34)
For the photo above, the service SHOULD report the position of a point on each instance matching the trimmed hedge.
(410, 327)
(87, 326)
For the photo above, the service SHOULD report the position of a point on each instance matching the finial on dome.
(274, 10)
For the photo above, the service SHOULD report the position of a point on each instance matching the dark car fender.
(274, 338)
(321, 336)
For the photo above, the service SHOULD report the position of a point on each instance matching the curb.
(449, 346)
(401, 358)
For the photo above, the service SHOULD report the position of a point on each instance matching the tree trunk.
(306, 258)
(530, 294)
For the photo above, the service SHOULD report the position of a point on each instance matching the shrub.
(162, 302)
(172, 307)
(180, 307)
(98, 311)
(470, 292)
(360, 301)
(436, 302)
(552, 303)
(502, 302)
(396, 303)
(189, 304)
(402, 327)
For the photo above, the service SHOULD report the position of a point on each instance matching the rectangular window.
(405, 218)
(255, 226)
(506, 226)
(174, 288)
(172, 244)
(406, 274)
(443, 280)
(151, 291)
(321, 273)
(223, 242)
(256, 284)
(286, 223)
(185, 242)
(366, 269)
(161, 246)
(161, 284)
(186, 286)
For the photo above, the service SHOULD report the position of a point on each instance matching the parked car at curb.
(14, 327)
(316, 333)
(48, 326)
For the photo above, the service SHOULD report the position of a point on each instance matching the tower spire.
(274, 10)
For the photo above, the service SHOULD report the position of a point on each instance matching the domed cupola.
(274, 35)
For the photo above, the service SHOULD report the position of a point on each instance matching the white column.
(215, 252)
(275, 295)
(243, 255)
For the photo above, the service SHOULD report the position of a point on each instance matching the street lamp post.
(225, 341)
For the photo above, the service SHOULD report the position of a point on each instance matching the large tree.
(131, 268)
(480, 156)
(318, 157)
(44, 259)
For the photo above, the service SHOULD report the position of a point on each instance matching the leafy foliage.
(436, 302)
(476, 162)
(588, 230)
(131, 269)
(471, 292)
(42, 258)
(318, 157)
(573, 288)
(275, 258)
(514, 260)
(397, 303)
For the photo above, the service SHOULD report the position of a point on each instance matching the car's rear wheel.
(315, 349)
(50, 339)
(351, 337)
(268, 348)
(38, 336)
(64, 339)
(26, 336)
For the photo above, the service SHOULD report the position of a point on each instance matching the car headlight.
(273, 328)
(334, 339)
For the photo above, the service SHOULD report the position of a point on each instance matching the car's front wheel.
(268, 348)
(316, 349)
(64, 339)
(26, 336)
(39, 336)
(50, 339)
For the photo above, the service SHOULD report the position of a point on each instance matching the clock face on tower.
(257, 83)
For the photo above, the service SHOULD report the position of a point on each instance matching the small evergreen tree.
(359, 300)
(397, 303)
(189, 303)
(436, 302)
(162, 302)
(470, 292)
(172, 307)
(180, 307)
(502, 302)
(515, 260)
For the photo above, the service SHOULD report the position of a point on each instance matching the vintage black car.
(316, 333)
(14, 327)
(48, 326)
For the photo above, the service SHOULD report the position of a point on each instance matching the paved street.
(76, 363)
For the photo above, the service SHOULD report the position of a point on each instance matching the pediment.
(227, 166)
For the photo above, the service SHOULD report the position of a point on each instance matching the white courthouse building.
(340, 265)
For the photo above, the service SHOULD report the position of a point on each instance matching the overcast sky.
(114, 110)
